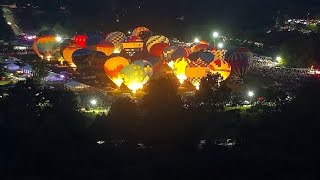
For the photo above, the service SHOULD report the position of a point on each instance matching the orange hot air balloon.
(195, 71)
(112, 68)
(106, 47)
(67, 54)
(45, 47)
(221, 67)
(140, 31)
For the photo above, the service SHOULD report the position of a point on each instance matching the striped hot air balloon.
(157, 44)
(132, 44)
(240, 61)
(106, 47)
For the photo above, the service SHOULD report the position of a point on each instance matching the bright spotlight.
(196, 40)
(129, 32)
(93, 102)
(250, 93)
(220, 45)
(58, 38)
(9, 23)
(278, 59)
(215, 34)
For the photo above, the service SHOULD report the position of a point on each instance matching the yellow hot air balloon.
(45, 47)
(221, 67)
(112, 68)
(134, 77)
(179, 68)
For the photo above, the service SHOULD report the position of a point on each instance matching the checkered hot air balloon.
(116, 38)
(195, 71)
(157, 44)
(240, 61)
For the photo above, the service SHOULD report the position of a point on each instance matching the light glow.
(250, 93)
(171, 64)
(58, 38)
(117, 51)
(118, 81)
(93, 102)
(135, 86)
(196, 40)
(182, 78)
(215, 34)
(220, 45)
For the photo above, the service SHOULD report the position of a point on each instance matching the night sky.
(165, 16)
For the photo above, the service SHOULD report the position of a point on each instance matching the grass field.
(3, 83)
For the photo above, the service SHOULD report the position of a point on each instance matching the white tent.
(74, 85)
(12, 67)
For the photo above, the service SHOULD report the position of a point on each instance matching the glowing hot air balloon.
(179, 68)
(80, 40)
(157, 44)
(139, 31)
(117, 39)
(112, 68)
(132, 44)
(146, 67)
(195, 71)
(45, 47)
(134, 77)
(67, 54)
(106, 47)
(220, 67)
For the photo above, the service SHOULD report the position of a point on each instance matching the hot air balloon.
(106, 47)
(180, 52)
(117, 39)
(220, 67)
(80, 40)
(157, 63)
(167, 53)
(219, 54)
(195, 71)
(64, 44)
(200, 47)
(97, 60)
(179, 68)
(132, 44)
(67, 54)
(80, 59)
(146, 67)
(93, 40)
(139, 31)
(45, 47)
(157, 44)
(134, 77)
(112, 68)
(206, 56)
(239, 60)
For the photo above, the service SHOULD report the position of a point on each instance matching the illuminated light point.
(129, 32)
(197, 87)
(279, 59)
(118, 82)
(117, 51)
(171, 64)
(250, 93)
(182, 78)
(196, 40)
(58, 38)
(135, 86)
(220, 45)
(93, 102)
(9, 23)
(215, 34)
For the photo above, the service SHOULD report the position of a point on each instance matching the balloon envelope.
(220, 67)
(112, 68)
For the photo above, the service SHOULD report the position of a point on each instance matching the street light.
(279, 59)
(215, 36)
(93, 102)
(58, 38)
(196, 40)
(251, 94)
(220, 45)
